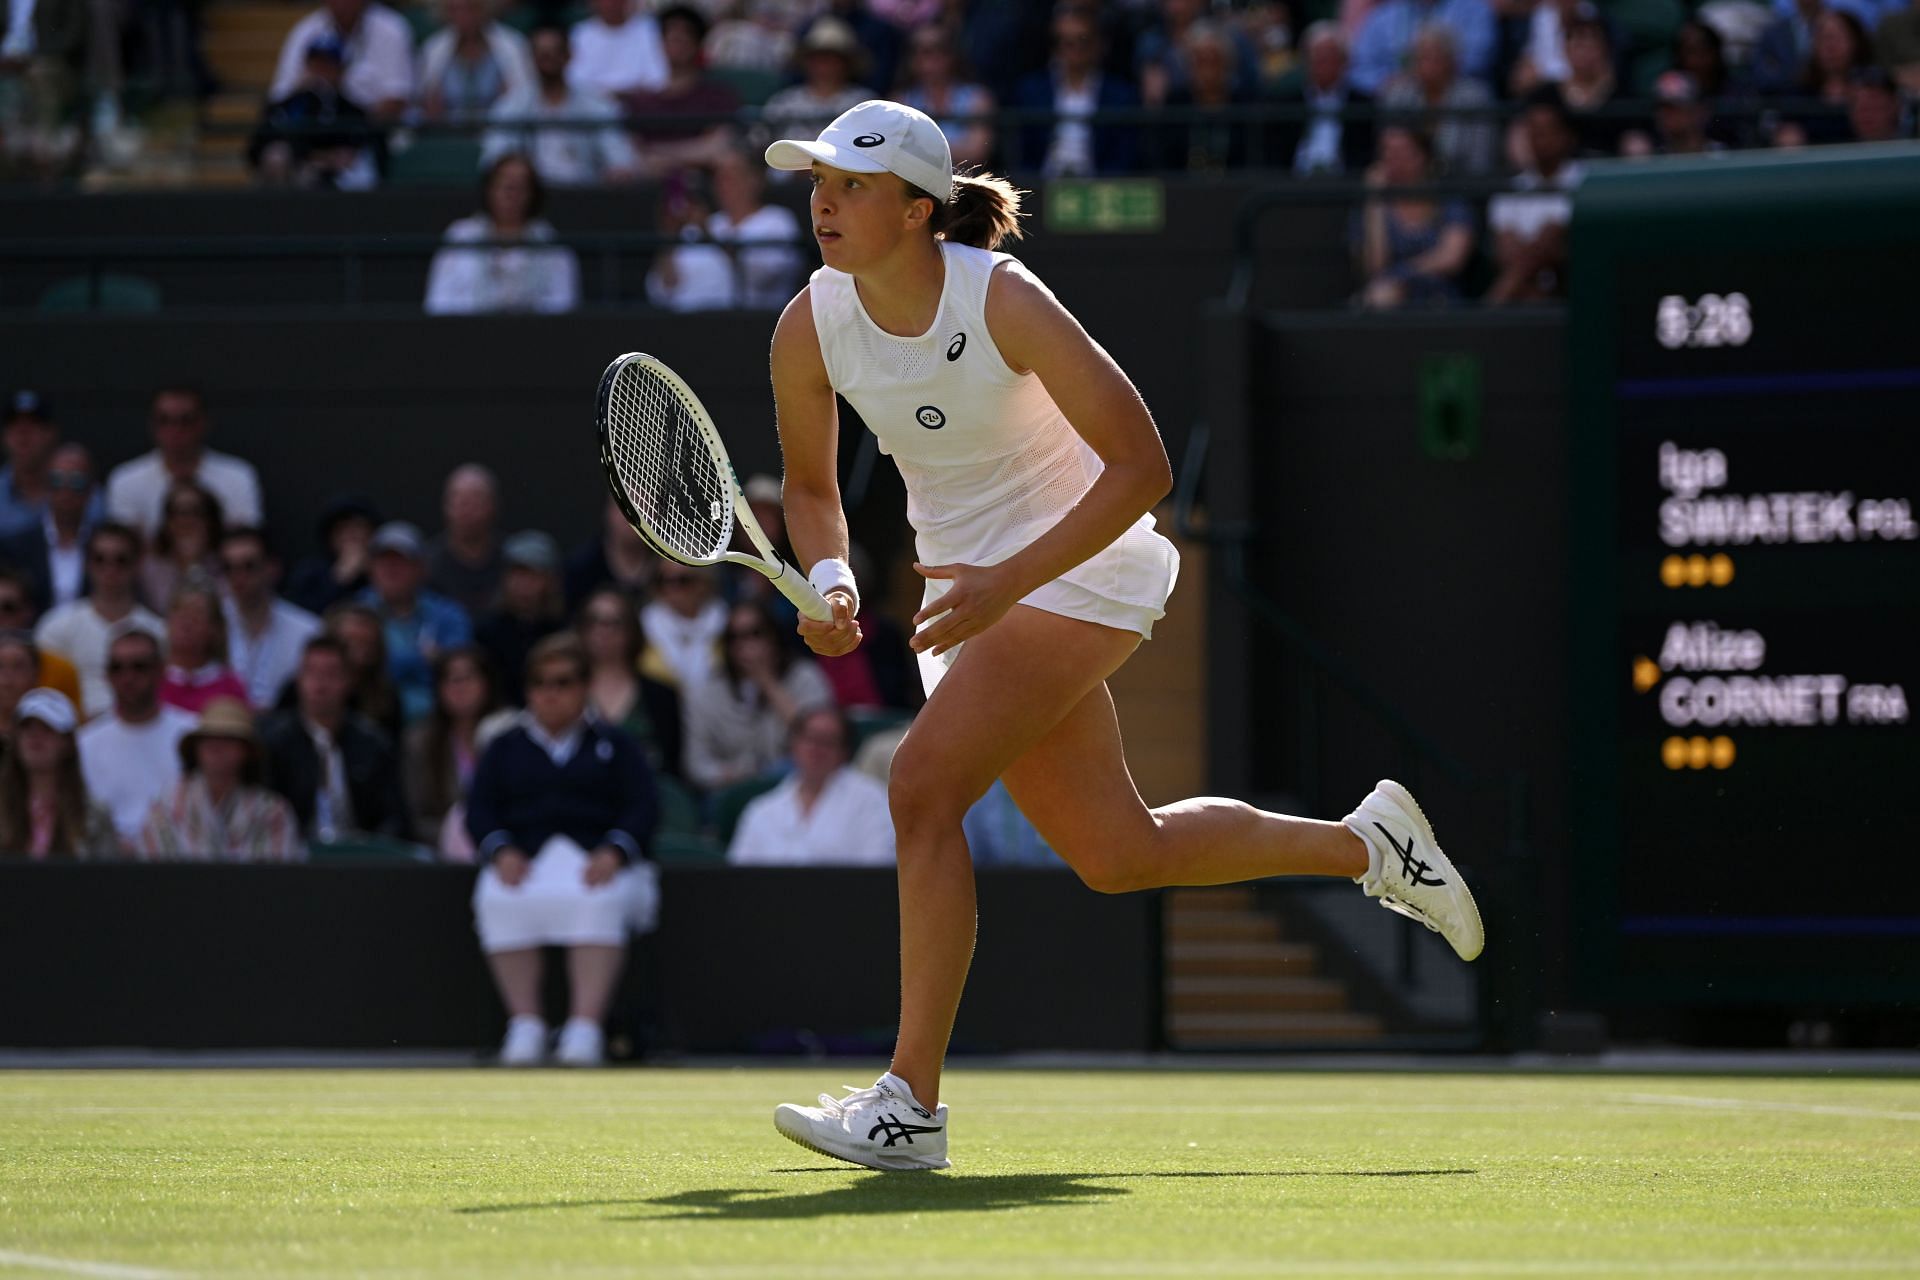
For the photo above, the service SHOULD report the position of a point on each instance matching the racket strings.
(668, 473)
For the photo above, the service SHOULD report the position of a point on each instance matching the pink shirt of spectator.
(193, 690)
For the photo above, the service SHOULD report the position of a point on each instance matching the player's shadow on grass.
(880, 1193)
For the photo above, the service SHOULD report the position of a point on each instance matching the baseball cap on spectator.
(28, 404)
(401, 538)
(531, 549)
(330, 47)
(878, 137)
(49, 706)
(1676, 87)
(829, 34)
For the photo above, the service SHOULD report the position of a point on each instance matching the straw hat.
(221, 718)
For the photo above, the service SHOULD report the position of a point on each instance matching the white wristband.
(829, 575)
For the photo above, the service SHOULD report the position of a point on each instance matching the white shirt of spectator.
(78, 633)
(332, 802)
(1070, 154)
(1547, 44)
(615, 60)
(1320, 150)
(129, 766)
(509, 50)
(559, 749)
(267, 661)
(1535, 203)
(850, 825)
(563, 157)
(379, 56)
(685, 644)
(540, 277)
(768, 276)
(703, 277)
(18, 42)
(137, 490)
(66, 566)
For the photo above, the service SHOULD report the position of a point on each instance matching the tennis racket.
(673, 480)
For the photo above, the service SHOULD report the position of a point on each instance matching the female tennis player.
(1030, 464)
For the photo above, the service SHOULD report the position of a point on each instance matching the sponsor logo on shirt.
(955, 347)
(930, 418)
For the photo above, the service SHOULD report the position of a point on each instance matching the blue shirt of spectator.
(1386, 38)
(419, 623)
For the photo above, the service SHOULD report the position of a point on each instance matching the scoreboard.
(1745, 517)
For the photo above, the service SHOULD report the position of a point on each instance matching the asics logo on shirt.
(930, 418)
(869, 140)
(955, 347)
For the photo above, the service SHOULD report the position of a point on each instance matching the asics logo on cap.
(869, 140)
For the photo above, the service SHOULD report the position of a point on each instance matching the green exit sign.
(1104, 205)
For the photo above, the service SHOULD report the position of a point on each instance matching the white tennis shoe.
(1407, 871)
(881, 1127)
(526, 1042)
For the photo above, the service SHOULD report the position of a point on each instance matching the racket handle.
(797, 589)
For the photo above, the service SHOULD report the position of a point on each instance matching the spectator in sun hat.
(831, 64)
(45, 811)
(219, 811)
(418, 622)
(528, 608)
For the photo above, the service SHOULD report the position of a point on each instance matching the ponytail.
(984, 211)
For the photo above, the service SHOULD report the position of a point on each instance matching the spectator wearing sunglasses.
(137, 490)
(131, 755)
(265, 634)
(81, 630)
(739, 718)
(684, 621)
(51, 550)
(30, 438)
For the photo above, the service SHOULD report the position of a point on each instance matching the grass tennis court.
(678, 1173)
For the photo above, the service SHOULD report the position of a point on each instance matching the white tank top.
(990, 462)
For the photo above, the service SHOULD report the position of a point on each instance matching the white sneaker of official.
(881, 1127)
(1407, 871)
(526, 1042)
(582, 1044)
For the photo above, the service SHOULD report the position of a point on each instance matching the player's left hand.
(979, 597)
(603, 866)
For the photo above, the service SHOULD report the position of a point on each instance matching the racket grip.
(794, 586)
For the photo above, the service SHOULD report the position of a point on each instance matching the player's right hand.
(831, 639)
(511, 866)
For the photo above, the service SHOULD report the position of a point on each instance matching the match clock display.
(1747, 556)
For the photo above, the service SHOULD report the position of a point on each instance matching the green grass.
(671, 1173)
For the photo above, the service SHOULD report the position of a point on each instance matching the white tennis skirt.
(1125, 587)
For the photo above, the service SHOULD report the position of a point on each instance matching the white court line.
(1756, 1104)
(75, 1267)
(1117, 1270)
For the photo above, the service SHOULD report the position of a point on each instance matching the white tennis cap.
(878, 137)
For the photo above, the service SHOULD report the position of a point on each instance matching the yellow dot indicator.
(1720, 570)
(1697, 571)
(1723, 753)
(1646, 674)
(1673, 571)
(1673, 753)
(1699, 753)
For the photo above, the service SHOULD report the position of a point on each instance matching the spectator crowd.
(685, 95)
(172, 689)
